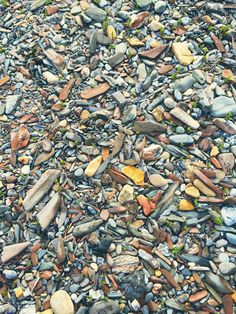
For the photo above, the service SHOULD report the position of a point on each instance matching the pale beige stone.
(182, 53)
(61, 303)
(93, 166)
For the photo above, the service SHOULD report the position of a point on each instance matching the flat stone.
(157, 180)
(160, 6)
(229, 215)
(185, 118)
(95, 13)
(126, 194)
(116, 59)
(198, 296)
(227, 268)
(49, 211)
(185, 83)
(13, 250)
(125, 264)
(87, 228)
(203, 188)
(182, 53)
(43, 185)
(227, 161)
(119, 98)
(218, 283)
(148, 127)
(50, 77)
(185, 205)
(93, 166)
(95, 91)
(181, 139)
(61, 303)
(231, 237)
(143, 3)
(11, 103)
(66, 90)
(130, 114)
(223, 105)
(104, 307)
(154, 52)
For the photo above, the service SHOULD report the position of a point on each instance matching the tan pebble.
(182, 53)
(126, 194)
(212, 302)
(192, 191)
(214, 151)
(185, 205)
(93, 166)
(85, 114)
(203, 188)
(19, 292)
(157, 180)
(61, 303)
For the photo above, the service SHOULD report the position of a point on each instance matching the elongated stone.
(153, 53)
(95, 91)
(185, 83)
(220, 284)
(148, 127)
(86, 228)
(184, 117)
(93, 166)
(66, 90)
(48, 213)
(208, 182)
(116, 59)
(125, 264)
(203, 188)
(184, 139)
(43, 185)
(223, 105)
(13, 250)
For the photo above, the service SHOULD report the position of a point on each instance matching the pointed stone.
(153, 53)
(185, 118)
(48, 213)
(66, 90)
(86, 228)
(43, 185)
(95, 91)
(93, 166)
(13, 250)
(148, 127)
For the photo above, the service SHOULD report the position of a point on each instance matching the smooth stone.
(93, 166)
(181, 139)
(126, 194)
(218, 283)
(11, 103)
(160, 7)
(185, 83)
(231, 237)
(229, 215)
(180, 130)
(185, 205)
(95, 13)
(50, 77)
(227, 268)
(10, 274)
(170, 103)
(185, 118)
(223, 105)
(222, 258)
(227, 161)
(61, 303)
(198, 75)
(141, 72)
(157, 180)
(121, 48)
(116, 59)
(221, 243)
(143, 3)
(104, 307)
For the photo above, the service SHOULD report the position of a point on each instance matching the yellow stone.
(137, 224)
(192, 191)
(214, 151)
(111, 32)
(158, 273)
(233, 296)
(154, 44)
(182, 53)
(135, 174)
(85, 114)
(93, 166)
(192, 279)
(134, 41)
(49, 311)
(158, 114)
(185, 205)
(19, 292)
(228, 74)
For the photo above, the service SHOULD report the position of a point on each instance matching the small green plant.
(1, 193)
(2, 49)
(112, 46)
(96, 1)
(181, 144)
(209, 164)
(48, 2)
(62, 162)
(162, 31)
(176, 250)
(195, 202)
(127, 23)
(174, 75)
(106, 22)
(4, 3)
(210, 28)
(63, 130)
(63, 105)
(229, 116)
(188, 129)
(224, 31)
(218, 220)
(226, 191)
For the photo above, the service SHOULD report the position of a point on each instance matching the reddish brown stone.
(169, 277)
(228, 304)
(66, 90)
(218, 43)
(153, 53)
(52, 10)
(95, 91)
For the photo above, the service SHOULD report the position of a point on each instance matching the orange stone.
(198, 296)
(4, 80)
(95, 91)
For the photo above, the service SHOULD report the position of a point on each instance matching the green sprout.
(226, 191)
(224, 31)
(229, 116)
(162, 30)
(210, 28)
(218, 220)
(177, 249)
(188, 129)
(4, 3)
(48, 2)
(106, 22)
(96, 1)
(195, 202)
(1, 193)
(62, 162)
(181, 144)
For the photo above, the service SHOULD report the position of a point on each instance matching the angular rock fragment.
(13, 250)
(182, 53)
(153, 53)
(95, 91)
(43, 185)
(48, 213)
(86, 228)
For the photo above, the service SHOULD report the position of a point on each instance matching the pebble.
(61, 303)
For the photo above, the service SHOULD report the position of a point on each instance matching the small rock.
(61, 303)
